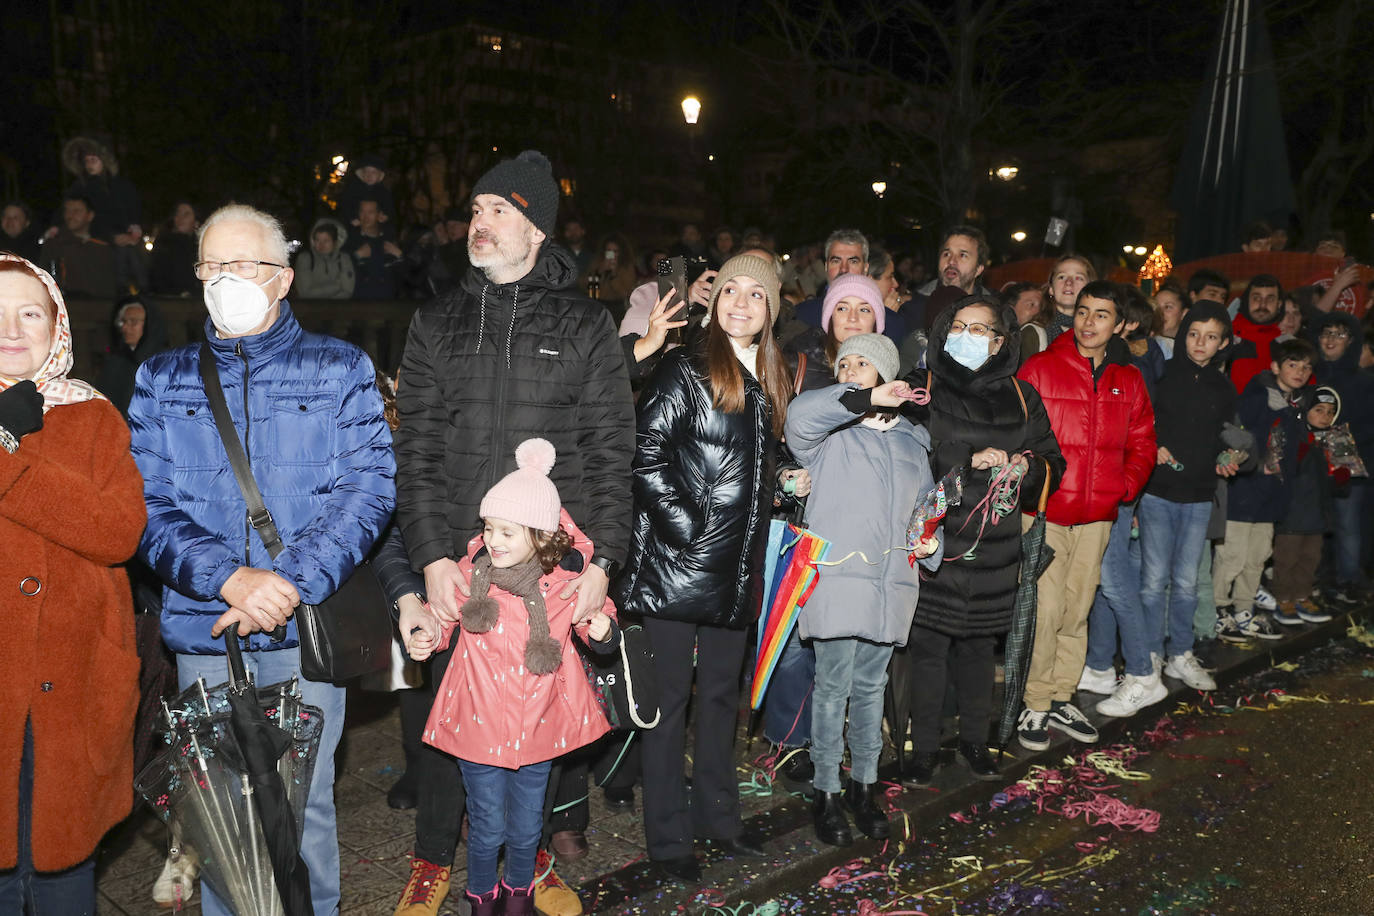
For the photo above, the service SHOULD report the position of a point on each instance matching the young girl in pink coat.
(515, 694)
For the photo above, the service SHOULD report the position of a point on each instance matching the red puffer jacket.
(1105, 428)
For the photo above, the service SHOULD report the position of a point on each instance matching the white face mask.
(236, 305)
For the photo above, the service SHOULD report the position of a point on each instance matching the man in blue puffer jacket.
(310, 417)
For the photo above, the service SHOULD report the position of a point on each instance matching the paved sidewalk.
(375, 841)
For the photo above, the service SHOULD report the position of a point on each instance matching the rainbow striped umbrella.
(790, 575)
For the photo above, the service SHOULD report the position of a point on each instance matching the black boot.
(919, 770)
(978, 760)
(868, 816)
(832, 827)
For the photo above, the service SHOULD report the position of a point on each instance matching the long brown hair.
(727, 375)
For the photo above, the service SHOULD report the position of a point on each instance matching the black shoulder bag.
(347, 636)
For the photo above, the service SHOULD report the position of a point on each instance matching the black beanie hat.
(527, 182)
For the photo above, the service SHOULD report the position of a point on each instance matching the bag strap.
(258, 516)
(801, 373)
(1025, 414)
(1044, 487)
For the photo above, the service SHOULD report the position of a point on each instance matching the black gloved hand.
(21, 409)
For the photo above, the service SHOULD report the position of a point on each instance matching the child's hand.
(890, 394)
(598, 626)
(1164, 456)
(419, 628)
(925, 547)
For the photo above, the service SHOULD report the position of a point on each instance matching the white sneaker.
(1264, 600)
(1134, 694)
(1094, 681)
(176, 885)
(1189, 670)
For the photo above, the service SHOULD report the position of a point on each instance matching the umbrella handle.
(238, 677)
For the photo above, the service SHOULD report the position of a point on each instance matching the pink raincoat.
(490, 709)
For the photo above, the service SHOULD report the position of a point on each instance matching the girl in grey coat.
(868, 469)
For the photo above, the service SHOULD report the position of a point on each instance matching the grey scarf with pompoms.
(543, 654)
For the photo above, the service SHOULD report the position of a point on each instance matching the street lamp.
(691, 109)
(1018, 236)
(1006, 172)
(879, 188)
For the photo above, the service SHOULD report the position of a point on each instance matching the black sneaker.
(978, 760)
(798, 771)
(1032, 729)
(919, 770)
(1070, 720)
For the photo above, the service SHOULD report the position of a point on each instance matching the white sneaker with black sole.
(1189, 670)
(1135, 693)
(1070, 720)
(1094, 681)
(1243, 626)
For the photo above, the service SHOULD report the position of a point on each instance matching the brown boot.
(425, 891)
(488, 904)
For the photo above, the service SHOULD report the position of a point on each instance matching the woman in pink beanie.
(853, 304)
(515, 695)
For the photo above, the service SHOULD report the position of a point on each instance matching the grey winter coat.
(864, 484)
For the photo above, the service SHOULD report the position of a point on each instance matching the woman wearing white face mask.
(981, 419)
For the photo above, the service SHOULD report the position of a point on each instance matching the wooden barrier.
(378, 327)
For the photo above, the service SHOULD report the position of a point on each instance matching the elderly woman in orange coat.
(71, 509)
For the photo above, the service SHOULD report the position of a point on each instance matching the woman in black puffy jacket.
(703, 485)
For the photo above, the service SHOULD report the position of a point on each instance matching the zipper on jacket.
(499, 433)
(247, 452)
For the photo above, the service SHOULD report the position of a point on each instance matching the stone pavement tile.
(364, 817)
(367, 883)
(371, 757)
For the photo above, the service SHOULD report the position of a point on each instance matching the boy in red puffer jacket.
(1101, 416)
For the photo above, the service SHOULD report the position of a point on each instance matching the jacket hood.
(1200, 311)
(154, 339)
(556, 269)
(1000, 365)
(338, 227)
(1350, 359)
(74, 154)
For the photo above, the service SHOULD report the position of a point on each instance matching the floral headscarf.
(51, 377)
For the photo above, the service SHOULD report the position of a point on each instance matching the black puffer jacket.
(971, 411)
(488, 367)
(702, 488)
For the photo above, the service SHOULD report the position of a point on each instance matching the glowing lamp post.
(691, 109)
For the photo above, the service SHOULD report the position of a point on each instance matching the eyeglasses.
(1335, 334)
(248, 270)
(977, 329)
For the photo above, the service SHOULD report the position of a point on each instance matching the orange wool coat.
(71, 508)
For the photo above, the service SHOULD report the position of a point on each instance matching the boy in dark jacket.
(1270, 409)
(1298, 537)
(1193, 401)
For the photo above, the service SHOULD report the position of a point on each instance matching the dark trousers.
(439, 790)
(973, 673)
(1296, 557)
(61, 893)
(568, 788)
(669, 825)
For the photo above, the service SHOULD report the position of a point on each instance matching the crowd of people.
(534, 480)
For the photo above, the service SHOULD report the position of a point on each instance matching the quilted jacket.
(1104, 424)
(702, 494)
(489, 708)
(319, 448)
(491, 366)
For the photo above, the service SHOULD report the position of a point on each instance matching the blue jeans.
(70, 892)
(320, 840)
(787, 703)
(1172, 538)
(1346, 534)
(1117, 610)
(853, 672)
(505, 808)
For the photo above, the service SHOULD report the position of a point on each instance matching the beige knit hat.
(755, 268)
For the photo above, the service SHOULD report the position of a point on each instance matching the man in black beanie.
(514, 352)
